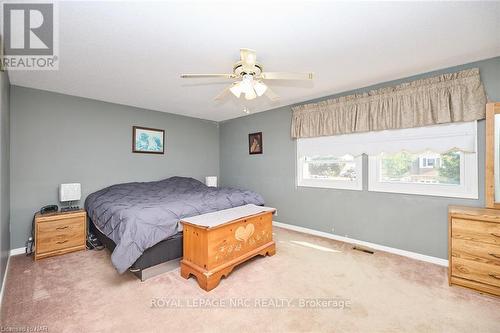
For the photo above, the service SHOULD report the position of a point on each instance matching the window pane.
(329, 168)
(426, 168)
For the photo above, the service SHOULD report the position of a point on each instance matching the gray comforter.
(136, 216)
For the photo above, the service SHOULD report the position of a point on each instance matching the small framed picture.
(255, 143)
(148, 140)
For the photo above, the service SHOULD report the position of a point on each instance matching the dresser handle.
(64, 241)
(495, 276)
(495, 255)
(62, 228)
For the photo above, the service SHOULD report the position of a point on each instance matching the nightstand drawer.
(60, 234)
(476, 271)
(475, 251)
(478, 231)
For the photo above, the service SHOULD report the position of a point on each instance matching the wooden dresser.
(60, 233)
(474, 248)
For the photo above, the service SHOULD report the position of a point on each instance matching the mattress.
(166, 250)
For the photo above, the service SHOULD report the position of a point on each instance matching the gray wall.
(409, 222)
(59, 138)
(4, 172)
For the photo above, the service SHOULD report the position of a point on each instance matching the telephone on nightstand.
(49, 209)
(30, 243)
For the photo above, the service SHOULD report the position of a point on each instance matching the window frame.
(468, 188)
(460, 136)
(356, 185)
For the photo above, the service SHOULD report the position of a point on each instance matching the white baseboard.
(13, 252)
(413, 255)
(4, 279)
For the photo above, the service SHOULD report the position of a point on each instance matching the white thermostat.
(70, 192)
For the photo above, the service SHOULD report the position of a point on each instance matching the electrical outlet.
(333, 229)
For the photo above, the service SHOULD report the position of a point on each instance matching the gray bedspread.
(136, 216)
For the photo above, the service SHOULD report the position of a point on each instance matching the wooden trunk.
(211, 253)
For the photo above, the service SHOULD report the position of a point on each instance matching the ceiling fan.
(250, 75)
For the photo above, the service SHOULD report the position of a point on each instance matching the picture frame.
(146, 140)
(255, 144)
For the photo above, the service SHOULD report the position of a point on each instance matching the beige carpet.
(81, 292)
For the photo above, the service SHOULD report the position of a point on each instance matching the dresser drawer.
(60, 234)
(476, 251)
(478, 231)
(476, 271)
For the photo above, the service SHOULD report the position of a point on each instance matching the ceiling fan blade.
(191, 76)
(286, 76)
(248, 58)
(222, 94)
(271, 95)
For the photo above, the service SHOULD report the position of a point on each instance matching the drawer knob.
(62, 242)
(62, 228)
(495, 276)
(495, 255)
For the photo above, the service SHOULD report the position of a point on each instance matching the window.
(404, 167)
(447, 168)
(325, 162)
(329, 167)
(330, 171)
(439, 160)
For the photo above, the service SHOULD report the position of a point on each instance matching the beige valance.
(446, 98)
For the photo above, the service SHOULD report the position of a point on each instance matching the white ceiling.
(132, 53)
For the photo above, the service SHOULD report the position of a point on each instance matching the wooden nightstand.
(60, 233)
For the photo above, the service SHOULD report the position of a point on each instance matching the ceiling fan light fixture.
(250, 76)
(260, 88)
(250, 94)
(236, 89)
(247, 82)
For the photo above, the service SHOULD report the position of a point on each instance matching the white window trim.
(356, 185)
(468, 188)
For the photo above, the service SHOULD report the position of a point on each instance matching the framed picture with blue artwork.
(148, 140)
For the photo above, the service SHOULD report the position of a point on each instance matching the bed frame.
(158, 259)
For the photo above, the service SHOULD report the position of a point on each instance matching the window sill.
(427, 193)
(351, 186)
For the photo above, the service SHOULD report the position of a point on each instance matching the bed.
(139, 222)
